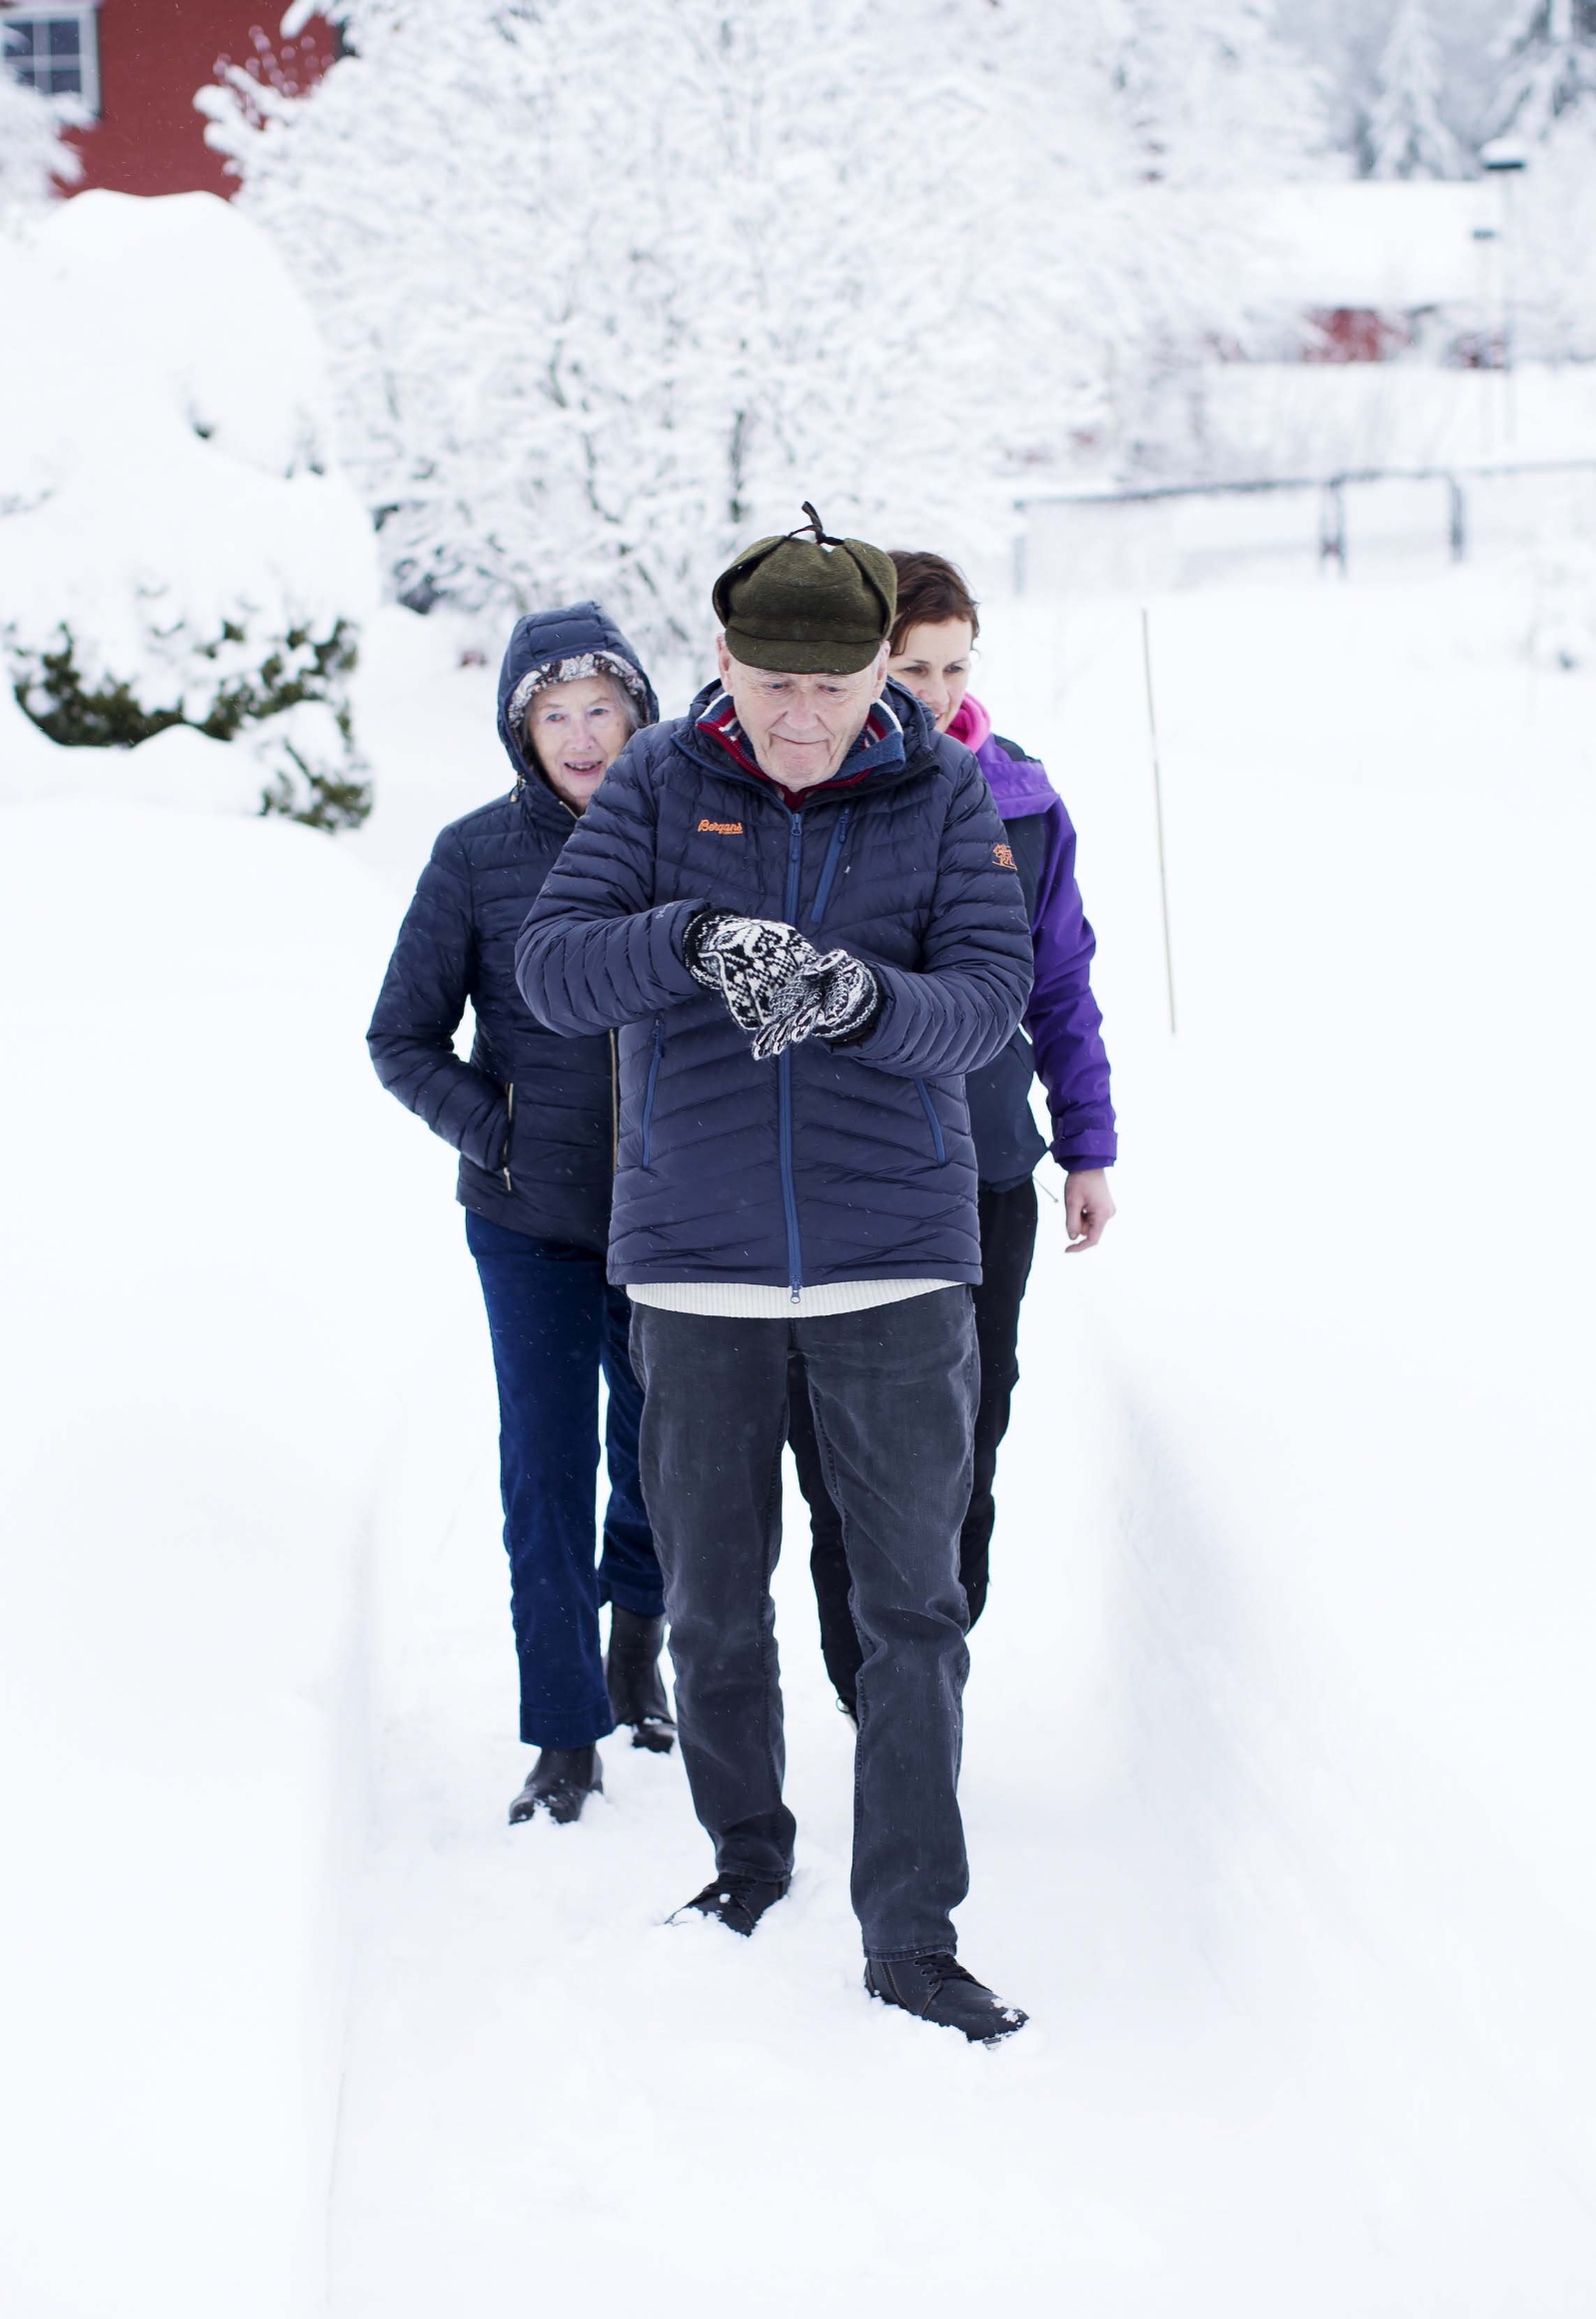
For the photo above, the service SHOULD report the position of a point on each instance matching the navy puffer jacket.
(826, 1164)
(531, 1115)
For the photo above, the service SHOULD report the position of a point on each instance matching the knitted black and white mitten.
(851, 998)
(776, 986)
(836, 998)
(757, 964)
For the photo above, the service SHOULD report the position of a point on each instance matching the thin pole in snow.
(1158, 800)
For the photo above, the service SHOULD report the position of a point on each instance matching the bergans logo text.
(722, 828)
(1001, 854)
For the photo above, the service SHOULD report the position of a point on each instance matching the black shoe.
(738, 1902)
(938, 1989)
(560, 1783)
(632, 1678)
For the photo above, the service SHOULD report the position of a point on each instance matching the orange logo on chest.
(722, 828)
(1001, 854)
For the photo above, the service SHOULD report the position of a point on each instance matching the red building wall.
(1355, 334)
(154, 54)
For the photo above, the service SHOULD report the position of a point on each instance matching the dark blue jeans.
(893, 1391)
(556, 1322)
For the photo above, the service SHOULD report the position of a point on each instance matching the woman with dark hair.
(932, 640)
(532, 1116)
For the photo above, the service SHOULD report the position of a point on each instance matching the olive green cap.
(812, 605)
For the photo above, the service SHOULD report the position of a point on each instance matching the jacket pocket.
(933, 1122)
(655, 1059)
(510, 1132)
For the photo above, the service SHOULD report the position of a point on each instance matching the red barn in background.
(134, 64)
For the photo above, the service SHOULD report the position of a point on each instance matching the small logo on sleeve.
(1001, 854)
(733, 830)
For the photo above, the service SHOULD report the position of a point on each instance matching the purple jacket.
(1061, 1042)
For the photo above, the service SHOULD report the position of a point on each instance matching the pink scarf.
(972, 725)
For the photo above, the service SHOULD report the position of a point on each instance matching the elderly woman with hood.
(532, 1116)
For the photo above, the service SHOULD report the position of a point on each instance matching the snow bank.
(179, 768)
(1329, 1562)
(168, 513)
(213, 1228)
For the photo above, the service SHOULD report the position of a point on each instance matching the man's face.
(800, 727)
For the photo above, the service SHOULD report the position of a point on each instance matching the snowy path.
(1275, 1713)
(1280, 1724)
(544, 2078)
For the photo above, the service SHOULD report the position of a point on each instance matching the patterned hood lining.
(569, 672)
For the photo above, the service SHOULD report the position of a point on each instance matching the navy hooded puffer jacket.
(532, 1115)
(829, 1163)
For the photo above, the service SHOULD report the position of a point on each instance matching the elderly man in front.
(797, 905)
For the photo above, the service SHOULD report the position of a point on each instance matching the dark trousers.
(894, 1393)
(555, 1323)
(1008, 1244)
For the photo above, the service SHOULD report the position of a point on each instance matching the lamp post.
(1487, 237)
(1506, 161)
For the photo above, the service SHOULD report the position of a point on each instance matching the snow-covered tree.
(610, 284)
(35, 160)
(1405, 134)
(1553, 225)
(1209, 92)
(1548, 56)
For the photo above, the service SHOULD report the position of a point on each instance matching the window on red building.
(55, 50)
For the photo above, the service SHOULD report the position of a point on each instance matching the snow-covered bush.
(35, 160)
(173, 548)
(670, 266)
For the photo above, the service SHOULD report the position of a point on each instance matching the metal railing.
(1332, 490)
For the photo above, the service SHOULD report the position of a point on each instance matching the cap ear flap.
(720, 595)
(879, 574)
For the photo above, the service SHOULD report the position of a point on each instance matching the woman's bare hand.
(1089, 1205)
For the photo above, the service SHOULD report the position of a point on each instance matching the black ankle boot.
(560, 1783)
(938, 1989)
(632, 1678)
(736, 1902)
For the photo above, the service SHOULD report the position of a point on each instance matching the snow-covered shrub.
(35, 161)
(288, 705)
(173, 548)
(670, 266)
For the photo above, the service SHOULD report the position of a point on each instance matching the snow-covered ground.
(1279, 1716)
(205, 1346)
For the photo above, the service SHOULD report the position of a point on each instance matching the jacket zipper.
(510, 1123)
(784, 1081)
(654, 1073)
(936, 1125)
(614, 1104)
(822, 892)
